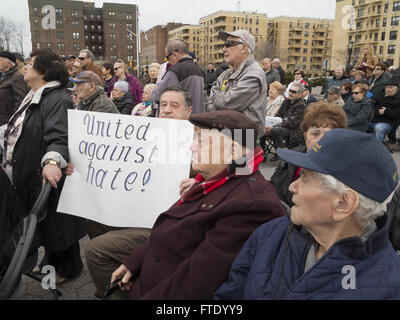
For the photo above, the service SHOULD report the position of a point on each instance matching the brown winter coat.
(371, 62)
(13, 90)
(192, 246)
(93, 67)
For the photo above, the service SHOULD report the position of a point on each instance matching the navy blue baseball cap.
(355, 158)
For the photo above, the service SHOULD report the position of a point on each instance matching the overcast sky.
(154, 12)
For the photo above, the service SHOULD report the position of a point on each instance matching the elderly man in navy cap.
(335, 244)
(243, 87)
(193, 243)
(13, 88)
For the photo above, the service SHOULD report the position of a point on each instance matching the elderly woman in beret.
(193, 244)
(335, 243)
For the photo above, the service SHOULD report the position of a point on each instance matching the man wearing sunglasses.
(243, 87)
(86, 59)
(378, 80)
(183, 72)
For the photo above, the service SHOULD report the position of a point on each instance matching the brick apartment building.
(80, 25)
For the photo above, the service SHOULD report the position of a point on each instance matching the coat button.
(252, 179)
(203, 205)
(157, 258)
(210, 206)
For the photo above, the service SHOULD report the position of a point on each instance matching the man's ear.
(345, 205)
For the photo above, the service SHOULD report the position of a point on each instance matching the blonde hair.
(278, 86)
(154, 65)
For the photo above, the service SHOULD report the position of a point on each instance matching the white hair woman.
(154, 69)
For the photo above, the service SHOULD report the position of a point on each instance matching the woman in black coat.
(36, 150)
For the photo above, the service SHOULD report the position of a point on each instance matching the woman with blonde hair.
(154, 69)
(367, 61)
(275, 98)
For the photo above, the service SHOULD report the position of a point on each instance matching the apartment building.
(375, 23)
(193, 35)
(304, 43)
(80, 25)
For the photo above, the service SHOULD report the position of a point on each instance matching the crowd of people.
(230, 235)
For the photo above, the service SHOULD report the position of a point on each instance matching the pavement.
(82, 287)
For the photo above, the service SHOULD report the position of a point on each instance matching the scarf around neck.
(203, 187)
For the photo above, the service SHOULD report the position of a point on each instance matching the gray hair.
(89, 53)
(276, 60)
(176, 45)
(368, 210)
(300, 87)
(154, 65)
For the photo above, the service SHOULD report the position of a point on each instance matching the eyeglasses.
(232, 43)
(356, 92)
(115, 69)
(297, 73)
(293, 91)
(378, 69)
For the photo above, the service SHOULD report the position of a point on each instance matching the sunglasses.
(293, 91)
(296, 74)
(378, 69)
(82, 58)
(232, 43)
(356, 92)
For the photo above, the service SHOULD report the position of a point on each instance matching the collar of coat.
(7, 74)
(37, 95)
(93, 97)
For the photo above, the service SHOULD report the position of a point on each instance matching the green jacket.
(99, 102)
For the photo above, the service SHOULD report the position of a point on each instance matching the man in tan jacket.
(86, 59)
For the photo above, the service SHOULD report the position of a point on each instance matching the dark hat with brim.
(392, 82)
(234, 124)
(8, 55)
(357, 159)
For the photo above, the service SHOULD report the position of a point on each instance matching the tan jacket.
(371, 62)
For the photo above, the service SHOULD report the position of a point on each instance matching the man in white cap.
(243, 87)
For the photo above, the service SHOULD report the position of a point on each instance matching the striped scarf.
(203, 187)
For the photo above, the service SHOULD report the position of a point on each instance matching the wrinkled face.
(119, 70)
(83, 90)
(84, 60)
(358, 94)
(313, 134)
(273, 92)
(31, 75)
(275, 65)
(118, 93)
(294, 93)
(146, 94)
(313, 204)
(172, 106)
(391, 90)
(339, 73)
(234, 50)
(208, 149)
(5, 64)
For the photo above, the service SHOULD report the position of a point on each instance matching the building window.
(37, 34)
(305, 50)
(60, 35)
(112, 25)
(129, 26)
(99, 27)
(113, 47)
(390, 62)
(383, 36)
(74, 13)
(306, 42)
(384, 22)
(59, 22)
(393, 35)
(86, 27)
(128, 16)
(36, 22)
(386, 8)
(129, 47)
(395, 21)
(100, 48)
(381, 50)
(98, 17)
(75, 23)
(37, 45)
(48, 45)
(35, 10)
(58, 12)
(60, 46)
(396, 6)
(111, 14)
(391, 49)
(112, 36)
(76, 46)
(47, 34)
(75, 35)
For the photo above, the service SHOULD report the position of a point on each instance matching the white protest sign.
(127, 169)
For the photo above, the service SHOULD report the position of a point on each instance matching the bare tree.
(7, 28)
(19, 37)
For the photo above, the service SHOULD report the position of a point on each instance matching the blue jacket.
(256, 270)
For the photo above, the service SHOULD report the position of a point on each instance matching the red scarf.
(203, 187)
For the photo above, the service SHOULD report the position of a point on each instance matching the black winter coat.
(392, 105)
(125, 105)
(45, 129)
(359, 113)
(292, 115)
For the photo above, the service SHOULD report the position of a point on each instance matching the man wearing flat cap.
(335, 243)
(387, 110)
(243, 87)
(13, 88)
(193, 244)
(89, 90)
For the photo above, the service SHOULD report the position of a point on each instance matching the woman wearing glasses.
(298, 79)
(359, 109)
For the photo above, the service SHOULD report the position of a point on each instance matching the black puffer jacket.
(359, 113)
(125, 104)
(45, 129)
(392, 111)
